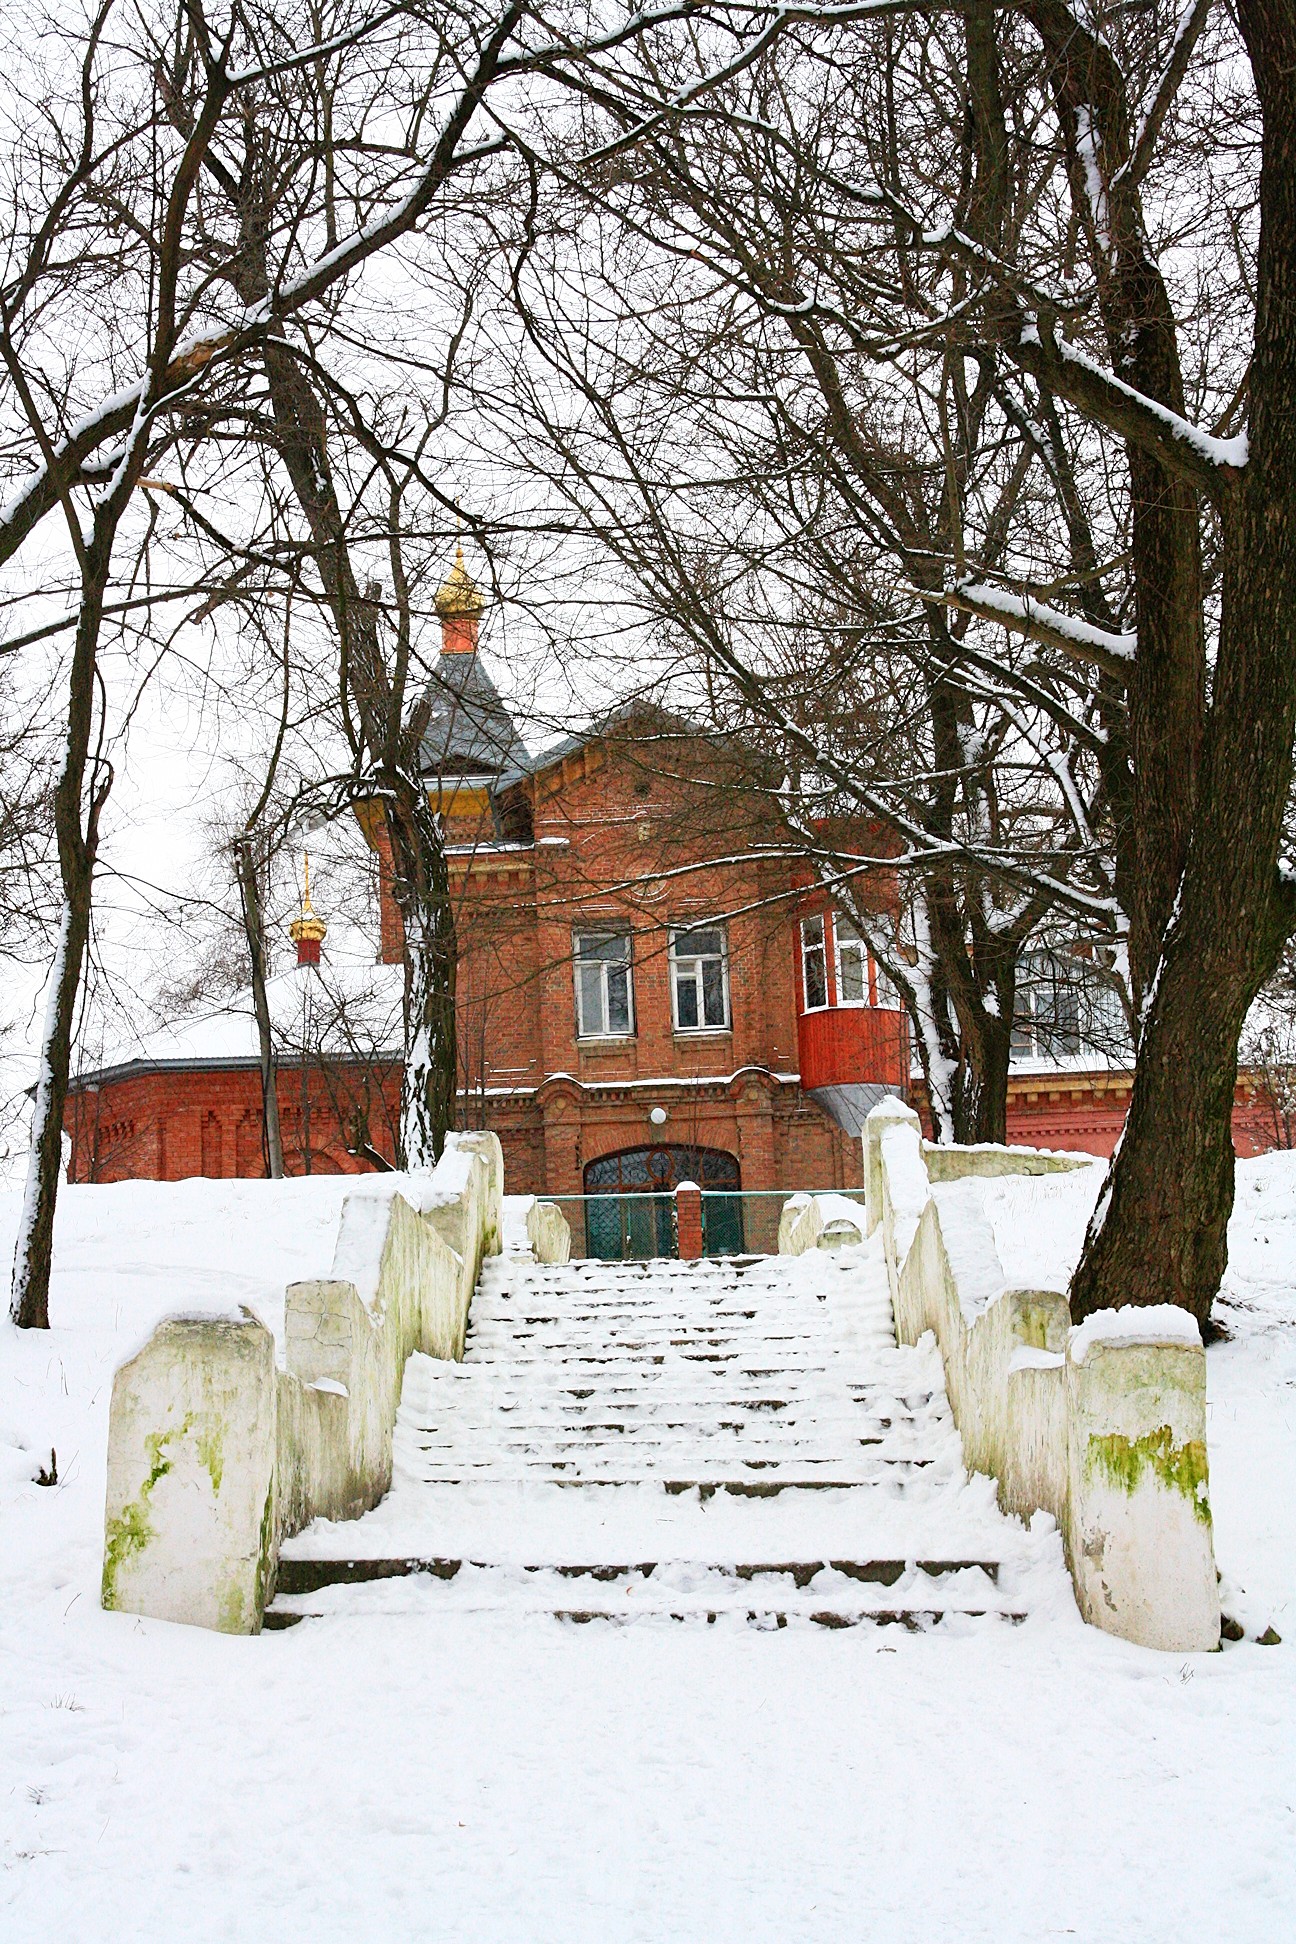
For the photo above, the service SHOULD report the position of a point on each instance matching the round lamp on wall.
(657, 1115)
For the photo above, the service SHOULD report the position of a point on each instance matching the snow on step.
(734, 1440)
(722, 1372)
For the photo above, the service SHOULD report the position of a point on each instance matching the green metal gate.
(630, 1201)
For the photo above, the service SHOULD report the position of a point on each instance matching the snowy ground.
(432, 1775)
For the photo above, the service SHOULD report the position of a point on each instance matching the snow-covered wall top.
(1113, 1446)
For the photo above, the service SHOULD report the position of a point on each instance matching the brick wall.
(637, 834)
(1086, 1112)
(622, 838)
(168, 1125)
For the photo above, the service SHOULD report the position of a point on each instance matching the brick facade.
(637, 830)
(1086, 1112)
(169, 1123)
(617, 840)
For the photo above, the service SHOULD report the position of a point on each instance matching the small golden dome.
(308, 926)
(457, 597)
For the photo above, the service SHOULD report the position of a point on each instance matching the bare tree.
(113, 229)
(946, 247)
(794, 499)
(1041, 263)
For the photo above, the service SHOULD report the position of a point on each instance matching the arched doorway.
(638, 1218)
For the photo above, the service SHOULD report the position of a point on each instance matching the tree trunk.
(984, 1106)
(421, 878)
(413, 829)
(76, 826)
(978, 997)
(250, 898)
(1160, 1232)
(421, 883)
(1167, 683)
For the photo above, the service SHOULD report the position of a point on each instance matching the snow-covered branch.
(1078, 639)
(1207, 463)
(1186, 35)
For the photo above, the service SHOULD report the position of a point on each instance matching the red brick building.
(648, 991)
(632, 987)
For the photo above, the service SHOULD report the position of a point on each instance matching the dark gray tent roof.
(469, 730)
(618, 721)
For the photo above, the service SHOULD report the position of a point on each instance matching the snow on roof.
(341, 1007)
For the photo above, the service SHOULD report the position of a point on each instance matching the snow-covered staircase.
(733, 1438)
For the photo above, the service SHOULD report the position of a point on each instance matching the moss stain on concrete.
(1182, 1468)
(232, 1613)
(211, 1449)
(266, 1558)
(131, 1530)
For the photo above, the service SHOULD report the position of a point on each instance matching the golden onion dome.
(308, 926)
(457, 597)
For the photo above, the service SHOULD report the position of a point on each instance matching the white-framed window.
(861, 981)
(1047, 1014)
(852, 956)
(814, 964)
(604, 990)
(699, 957)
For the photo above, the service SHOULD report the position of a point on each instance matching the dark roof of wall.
(469, 731)
(620, 722)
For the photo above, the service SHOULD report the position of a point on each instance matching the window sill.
(605, 1042)
(702, 1032)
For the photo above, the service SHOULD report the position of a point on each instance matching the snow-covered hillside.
(504, 1777)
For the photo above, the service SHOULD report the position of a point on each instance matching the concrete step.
(299, 1574)
(627, 1416)
(659, 1442)
(732, 1477)
(824, 1593)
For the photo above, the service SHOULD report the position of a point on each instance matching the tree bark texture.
(1160, 1233)
(254, 928)
(1166, 689)
(76, 827)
